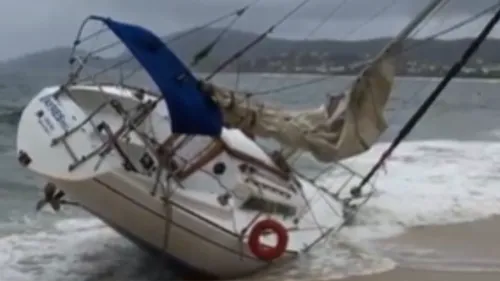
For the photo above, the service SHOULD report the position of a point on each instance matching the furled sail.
(344, 126)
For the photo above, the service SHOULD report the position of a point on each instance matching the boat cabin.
(249, 175)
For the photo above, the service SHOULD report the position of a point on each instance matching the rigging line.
(454, 70)
(91, 35)
(373, 17)
(205, 51)
(359, 175)
(316, 80)
(210, 23)
(313, 31)
(170, 40)
(238, 72)
(442, 32)
(331, 14)
(425, 23)
(256, 41)
(361, 63)
(453, 27)
(356, 64)
(294, 85)
(173, 39)
(429, 18)
(468, 53)
(445, 31)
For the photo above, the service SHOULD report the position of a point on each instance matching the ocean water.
(445, 172)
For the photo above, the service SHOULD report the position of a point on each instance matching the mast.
(415, 118)
(414, 23)
(338, 129)
(421, 16)
(356, 191)
(370, 93)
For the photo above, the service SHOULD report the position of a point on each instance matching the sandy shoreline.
(405, 274)
(460, 252)
(478, 238)
(471, 253)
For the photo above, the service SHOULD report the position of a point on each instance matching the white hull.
(192, 228)
(202, 247)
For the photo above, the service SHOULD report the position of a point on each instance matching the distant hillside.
(438, 52)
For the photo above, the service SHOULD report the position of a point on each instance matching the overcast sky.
(30, 25)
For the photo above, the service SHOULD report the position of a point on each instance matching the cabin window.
(262, 205)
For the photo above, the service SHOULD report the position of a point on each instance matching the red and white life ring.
(264, 252)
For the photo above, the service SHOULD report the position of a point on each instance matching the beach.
(404, 274)
(468, 251)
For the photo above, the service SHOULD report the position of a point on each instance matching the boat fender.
(264, 252)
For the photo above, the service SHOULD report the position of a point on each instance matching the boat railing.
(130, 124)
(79, 63)
(85, 39)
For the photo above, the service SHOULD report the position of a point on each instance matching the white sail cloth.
(346, 125)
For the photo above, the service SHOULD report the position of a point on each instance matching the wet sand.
(461, 252)
(457, 252)
(404, 274)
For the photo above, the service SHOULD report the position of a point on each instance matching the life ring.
(264, 252)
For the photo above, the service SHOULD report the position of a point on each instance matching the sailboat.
(178, 172)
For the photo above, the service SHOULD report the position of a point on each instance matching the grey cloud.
(29, 25)
(455, 7)
(188, 10)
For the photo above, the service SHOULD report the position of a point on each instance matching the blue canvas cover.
(191, 111)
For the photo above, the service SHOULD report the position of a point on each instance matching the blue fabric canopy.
(191, 111)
